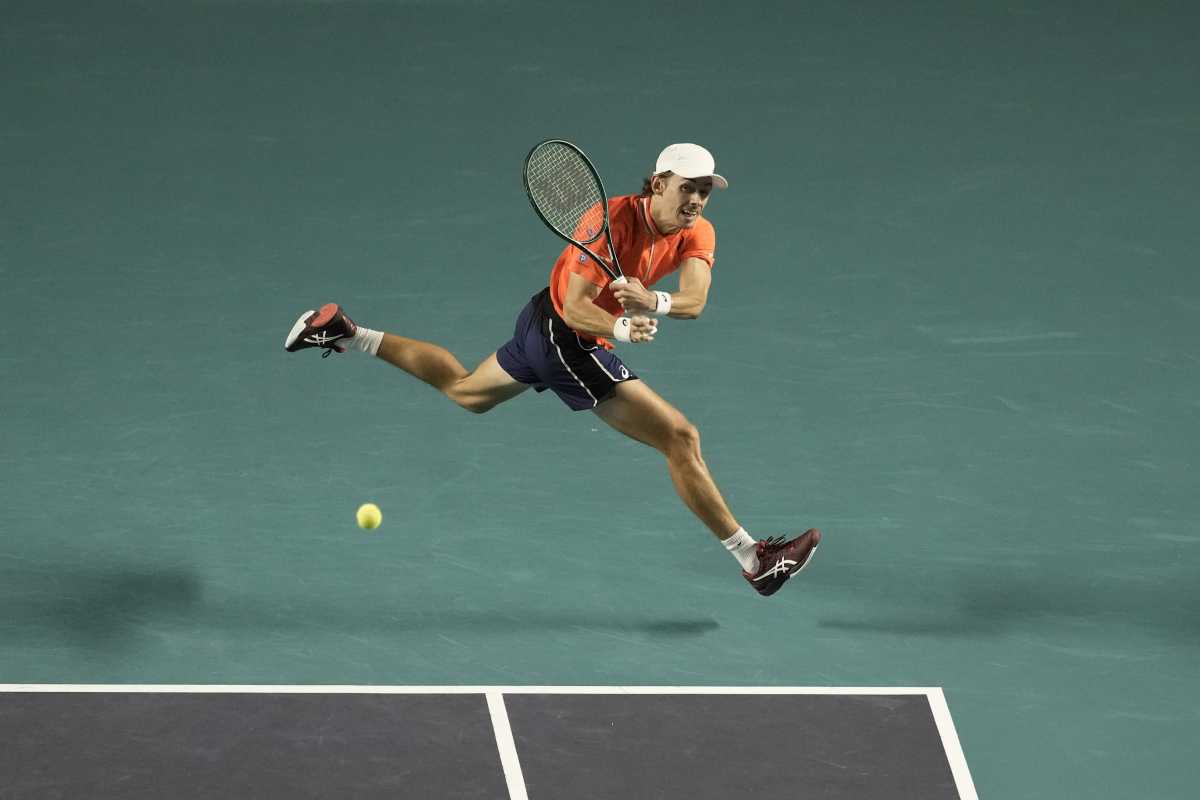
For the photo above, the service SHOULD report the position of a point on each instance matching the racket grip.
(619, 281)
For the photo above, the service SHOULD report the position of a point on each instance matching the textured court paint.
(123, 746)
(711, 747)
(952, 324)
(586, 742)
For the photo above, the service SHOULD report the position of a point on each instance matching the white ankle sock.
(365, 339)
(741, 544)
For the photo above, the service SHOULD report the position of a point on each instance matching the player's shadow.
(668, 628)
(334, 613)
(97, 608)
(109, 609)
(568, 620)
(985, 602)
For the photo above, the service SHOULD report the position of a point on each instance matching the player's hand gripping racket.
(566, 192)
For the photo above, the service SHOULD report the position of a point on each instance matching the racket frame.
(613, 270)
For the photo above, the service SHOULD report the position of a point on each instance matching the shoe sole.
(296, 330)
(811, 553)
(324, 316)
(310, 318)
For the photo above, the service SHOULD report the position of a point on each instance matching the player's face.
(680, 201)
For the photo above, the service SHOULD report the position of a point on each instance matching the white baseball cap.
(689, 161)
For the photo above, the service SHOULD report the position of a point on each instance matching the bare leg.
(477, 391)
(640, 413)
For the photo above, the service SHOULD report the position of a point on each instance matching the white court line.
(950, 743)
(507, 747)
(211, 688)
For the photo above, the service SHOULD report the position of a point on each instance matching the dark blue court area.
(589, 743)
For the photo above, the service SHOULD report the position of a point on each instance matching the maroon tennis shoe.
(779, 560)
(323, 328)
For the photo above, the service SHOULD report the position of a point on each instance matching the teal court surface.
(952, 324)
(477, 742)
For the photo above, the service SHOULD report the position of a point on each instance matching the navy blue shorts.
(547, 354)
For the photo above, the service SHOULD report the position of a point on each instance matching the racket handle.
(619, 281)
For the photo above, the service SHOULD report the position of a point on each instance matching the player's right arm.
(585, 316)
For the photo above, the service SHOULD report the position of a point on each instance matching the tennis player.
(561, 343)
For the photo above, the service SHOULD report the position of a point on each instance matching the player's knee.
(684, 438)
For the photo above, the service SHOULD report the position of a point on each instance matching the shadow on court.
(110, 609)
(97, 607)
(987, 602)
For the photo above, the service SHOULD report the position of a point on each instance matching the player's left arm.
(695, 278)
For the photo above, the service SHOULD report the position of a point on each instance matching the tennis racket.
(567, 194)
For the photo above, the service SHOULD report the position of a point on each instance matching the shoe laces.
(772, 543)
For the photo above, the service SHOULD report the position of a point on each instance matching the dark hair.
(646, 188)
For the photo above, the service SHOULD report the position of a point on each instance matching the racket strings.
(566, 192)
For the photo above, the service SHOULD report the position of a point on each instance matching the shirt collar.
(648, 218)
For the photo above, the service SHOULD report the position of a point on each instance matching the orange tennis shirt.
(644, 252)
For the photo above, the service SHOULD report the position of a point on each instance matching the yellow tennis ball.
(369, 516)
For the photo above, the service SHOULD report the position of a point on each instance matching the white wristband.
(664, 304)
(621, 329)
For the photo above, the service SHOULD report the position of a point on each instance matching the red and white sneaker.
(323, 328)
(779, 560)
